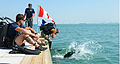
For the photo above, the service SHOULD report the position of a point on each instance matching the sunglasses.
(23, 19)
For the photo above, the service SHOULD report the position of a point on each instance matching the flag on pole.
(46, 14)
(52, 20)
(43, 13)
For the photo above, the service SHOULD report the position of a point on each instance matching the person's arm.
(54, 35)
(31, 29)
(24, 15)
(32, 16)
(24, 31)
(33, 13)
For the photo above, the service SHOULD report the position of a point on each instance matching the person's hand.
(36, 36)
(57, 30)
(31, 18)
(28, 31)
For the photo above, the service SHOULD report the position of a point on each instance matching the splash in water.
(84, 50)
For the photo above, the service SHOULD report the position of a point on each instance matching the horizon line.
(86, 23)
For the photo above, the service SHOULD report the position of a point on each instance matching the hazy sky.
(66, 11)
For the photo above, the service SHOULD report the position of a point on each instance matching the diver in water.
(69, 54)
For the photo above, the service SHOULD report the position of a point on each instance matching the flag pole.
(37, 24)
(37, 19)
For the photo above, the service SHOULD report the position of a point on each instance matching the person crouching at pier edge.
(22, 33)
(47, 31)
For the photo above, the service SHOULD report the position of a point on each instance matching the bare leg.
(19, 40)
(30, 40)
(37, 40)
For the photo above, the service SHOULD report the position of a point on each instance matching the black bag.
(3, 32)
(49, 24)
(47, 28)
(4, 24)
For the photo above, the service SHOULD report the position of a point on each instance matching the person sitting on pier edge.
(49, 30)
(18, 31)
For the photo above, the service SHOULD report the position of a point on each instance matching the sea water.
(92, 43)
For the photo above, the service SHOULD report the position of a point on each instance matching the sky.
(67, 11)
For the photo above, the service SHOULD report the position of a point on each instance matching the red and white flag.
(43, 13)
(46, 14)
(52, 20)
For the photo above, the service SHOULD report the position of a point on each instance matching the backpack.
(47, 28)
(4, 24)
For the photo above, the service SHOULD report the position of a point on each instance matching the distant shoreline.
(95, 23)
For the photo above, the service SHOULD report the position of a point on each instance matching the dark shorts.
(29, 22)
